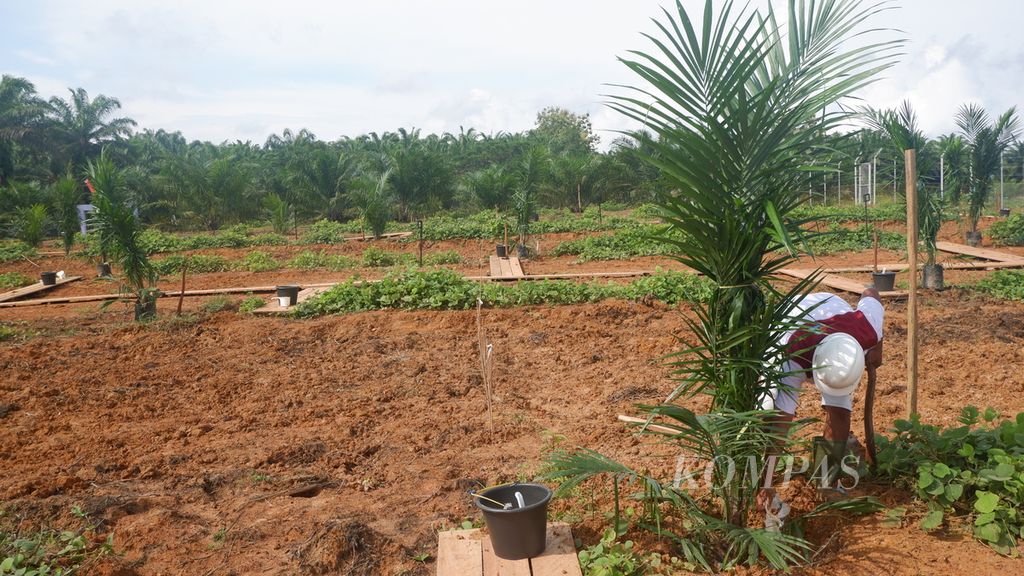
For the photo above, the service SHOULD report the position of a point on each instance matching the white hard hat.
(838, 364)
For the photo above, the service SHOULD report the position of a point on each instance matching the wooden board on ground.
(385, 236)
(35, 288)
(839, 282)
(987, 265)
(469, 553)
(506, 268)
(274, 305)
(984, 253)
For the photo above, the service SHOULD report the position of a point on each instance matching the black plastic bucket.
(289, 292)
(1004, 212)
(501, 250)
(48, 278)
(516, 533)
(884, 281)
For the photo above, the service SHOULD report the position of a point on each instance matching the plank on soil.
(985, 253)
(839, 282)
(274, 305)
(987, 265)
(469, 553)
(35, 288)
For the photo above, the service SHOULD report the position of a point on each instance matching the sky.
(230, 69)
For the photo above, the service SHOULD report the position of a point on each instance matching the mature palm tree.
(21, 113)
(84, 125)
(985, 143)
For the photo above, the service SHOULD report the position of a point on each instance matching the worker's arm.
(870, 292)
(873, 355)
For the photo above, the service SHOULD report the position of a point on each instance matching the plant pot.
(521, 251)
(48, 278)
(518, 532)
(883, 281)
(931, 277)
(103, 269)
(1004, 212)
(501, 250)
(145, 306)
(288, 294)
(972, 238)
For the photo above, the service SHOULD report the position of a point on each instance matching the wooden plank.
(984, 253)
(839, 282)
(987, 265)
(495, 266)
(559, 557)
(35, 288)
(506, 268)
(274, 305)
(385, 236)
(459, 554)
(494, 566)
(575, 276)
(516, 266)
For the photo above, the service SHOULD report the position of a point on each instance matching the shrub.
(11, 280)
(971, 471)
(258, 262)
(153, 241)
(32, 225)
(1009, 232)
(194, 263)
(309, 260)
(1008, 284)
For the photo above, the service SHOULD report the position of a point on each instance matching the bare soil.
(227, 444)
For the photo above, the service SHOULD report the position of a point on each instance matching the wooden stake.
(181, 295)
(911, 187)
(876, 250)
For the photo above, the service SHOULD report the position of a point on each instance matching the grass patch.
(258, 262)
(623, 244)
(216, 304)
(442, 257)
(250, 304)
(442, 289)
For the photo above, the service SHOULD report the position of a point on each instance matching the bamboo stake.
(911, 188)
(876, 250)
(181, 294)
(486, 350)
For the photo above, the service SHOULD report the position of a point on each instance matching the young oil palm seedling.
(66, 196)
(985, 141)
(734, 103)
(119, 231)
(373, 198)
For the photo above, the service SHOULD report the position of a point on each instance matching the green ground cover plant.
(1009, 232)
(11, 251)
(49, 551)
(970, 476)
(1007, 284)
(12, 280)
(444, 289)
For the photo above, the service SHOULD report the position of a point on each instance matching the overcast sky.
(224, 70)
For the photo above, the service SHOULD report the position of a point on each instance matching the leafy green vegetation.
(611, 558)
(258, 261)
(1009, 232)
(838, 239)
(1008, 284)
(623, 244)
(374, 257)
(973, 473)
(250, 303)
(50, 552)
(216, 304)
(442, 257)
(193, 263)
(7, 332)
(11, 280)
(443, 289)
(10, 251)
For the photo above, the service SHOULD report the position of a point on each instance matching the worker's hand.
(871, 292)
(873, 356)
(764, 498)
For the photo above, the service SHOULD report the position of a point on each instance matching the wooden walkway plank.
(458, 554)
(987, 265)
(839, 282)
(516, 266)
(494, 566)
(495, 266)
(35, 288)
(385, 236)
(984, 253)
(559, 557)
(274, 305)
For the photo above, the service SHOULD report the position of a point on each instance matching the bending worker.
(831, 349)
